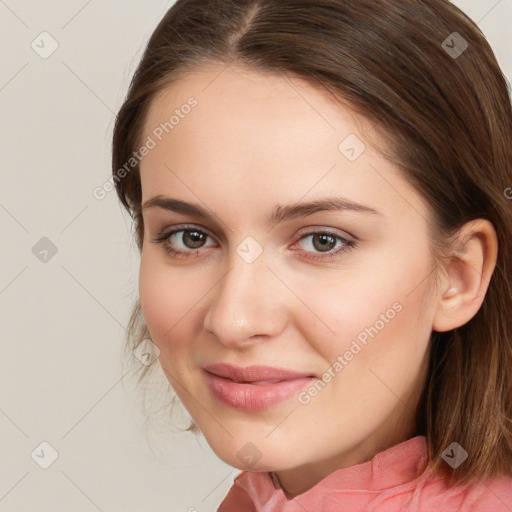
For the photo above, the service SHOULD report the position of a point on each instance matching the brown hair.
(448, 117)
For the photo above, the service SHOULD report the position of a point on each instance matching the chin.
(253, 455)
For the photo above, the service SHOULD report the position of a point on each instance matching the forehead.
(266, 106)
(258, 135)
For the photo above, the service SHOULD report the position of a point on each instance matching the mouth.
(254, 388)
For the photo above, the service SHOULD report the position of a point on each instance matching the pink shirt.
(396, 479)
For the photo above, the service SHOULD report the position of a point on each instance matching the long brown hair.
(425, 74)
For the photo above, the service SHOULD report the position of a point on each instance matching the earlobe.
(467, 275)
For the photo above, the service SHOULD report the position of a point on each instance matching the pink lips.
(254, 388)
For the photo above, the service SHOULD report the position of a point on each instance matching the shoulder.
(480, 495)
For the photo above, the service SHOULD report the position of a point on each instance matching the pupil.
(195, 237)
(327, 242)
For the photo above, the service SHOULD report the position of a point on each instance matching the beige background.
(61, 377)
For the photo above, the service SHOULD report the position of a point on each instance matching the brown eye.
(323, 245)
(183, 242)
(323, 241)
(193, 239)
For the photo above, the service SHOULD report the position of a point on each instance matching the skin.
(255, 141)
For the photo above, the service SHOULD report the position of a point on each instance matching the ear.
(466, 275)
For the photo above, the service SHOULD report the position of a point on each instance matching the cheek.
(167, 299)
(385, 305)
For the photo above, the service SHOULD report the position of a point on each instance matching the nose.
(247, 304)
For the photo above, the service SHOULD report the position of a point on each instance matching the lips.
(253, 388)
(254, 374)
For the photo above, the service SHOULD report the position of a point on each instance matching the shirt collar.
(390, 468)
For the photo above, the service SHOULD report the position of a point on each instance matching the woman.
(319, 196)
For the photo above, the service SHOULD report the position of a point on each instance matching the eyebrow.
(279, 214)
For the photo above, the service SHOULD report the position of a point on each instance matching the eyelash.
(163, 240)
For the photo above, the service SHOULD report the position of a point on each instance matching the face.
(333, 299)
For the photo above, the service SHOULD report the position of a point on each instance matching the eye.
(325, 241)
(193, 240)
